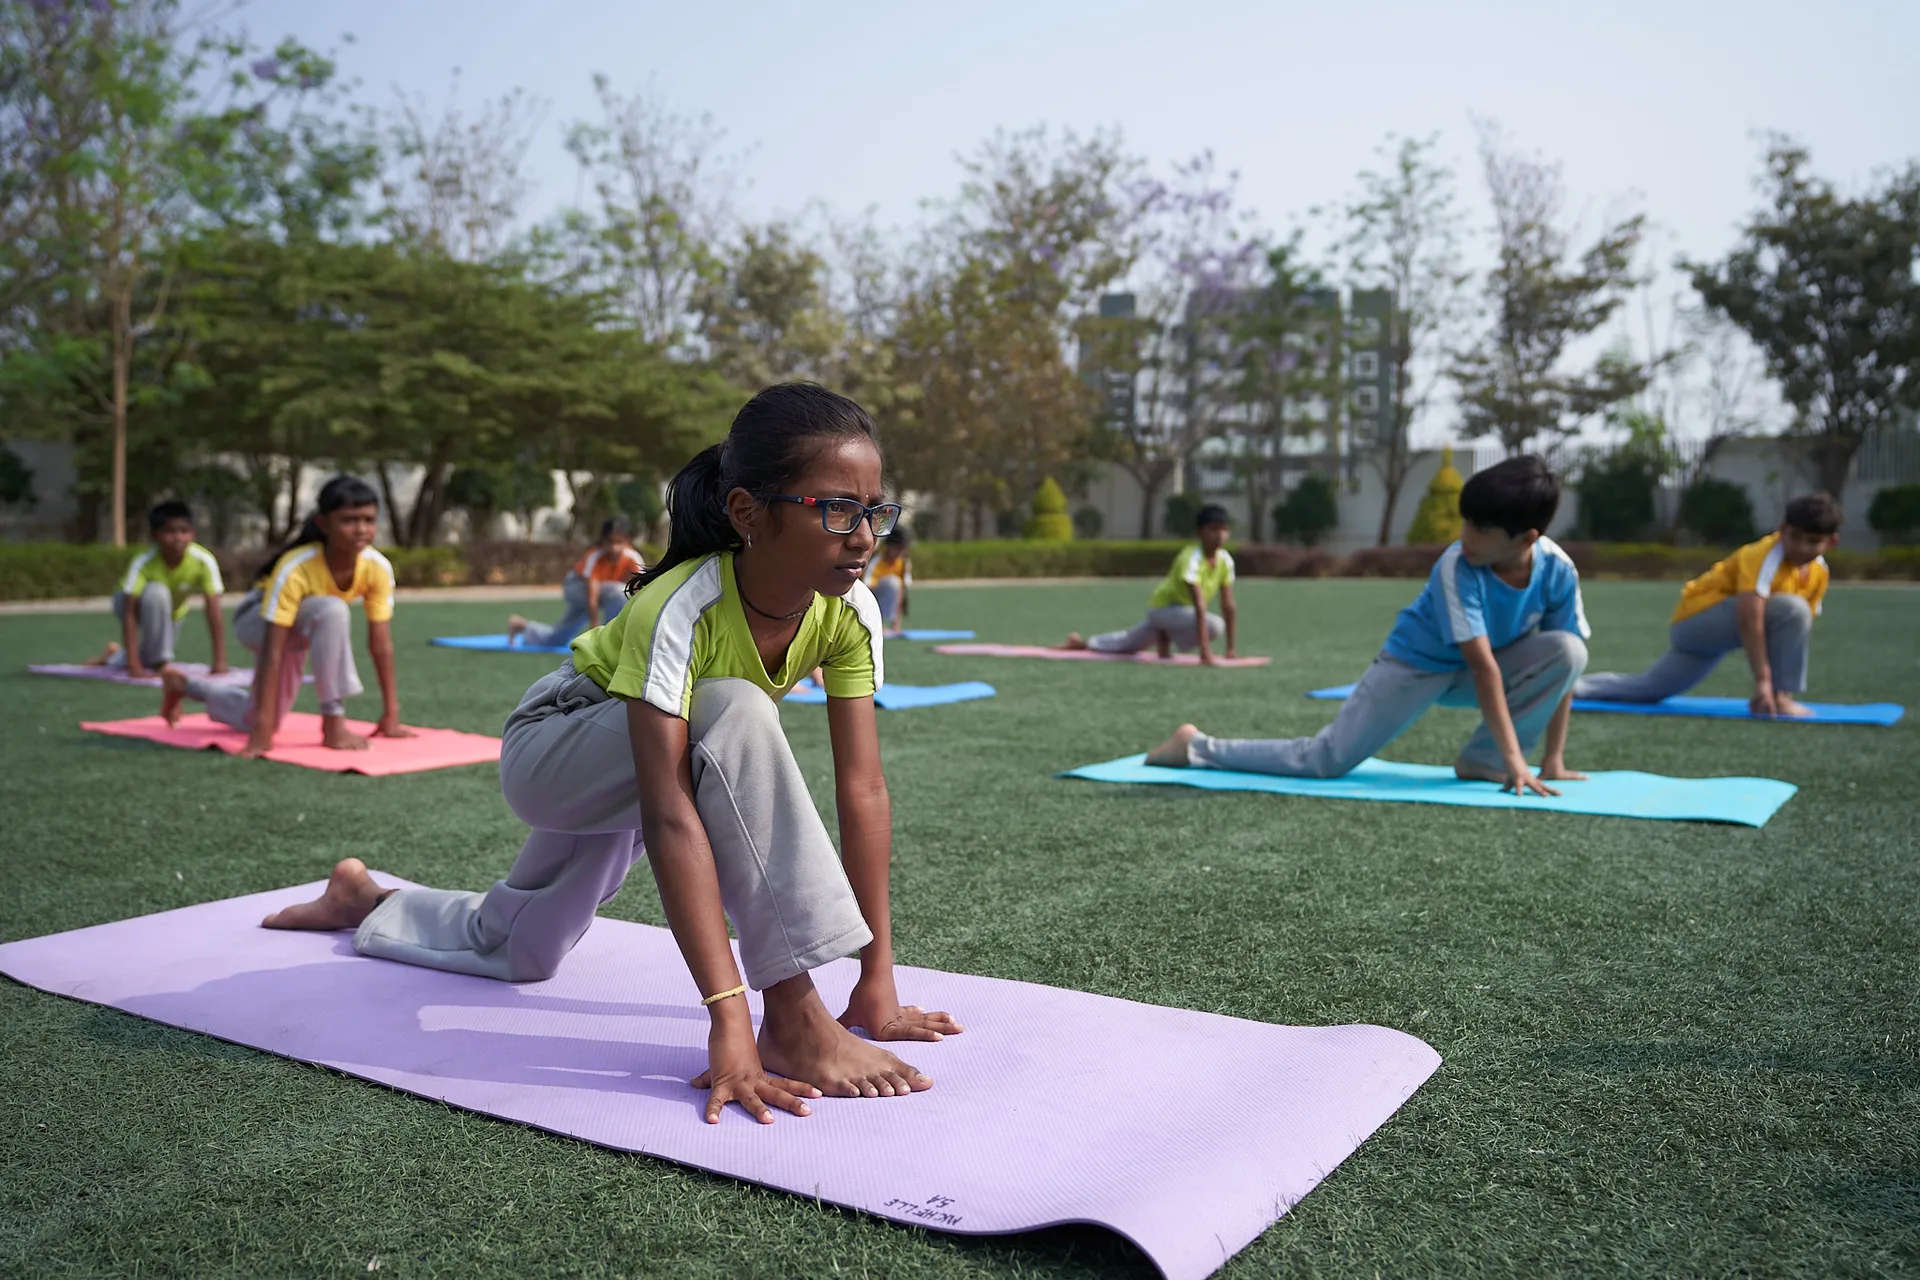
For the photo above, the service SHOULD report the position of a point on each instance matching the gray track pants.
(886, 593)
(1176, 620)
(153, 622)
(613, 598)
(566, 767)
(1537, 670)
(322, 634)
(1698, 643)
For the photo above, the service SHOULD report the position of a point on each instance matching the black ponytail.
(341, 491)
(772, 439)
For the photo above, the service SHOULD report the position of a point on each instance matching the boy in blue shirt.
(1500, 625)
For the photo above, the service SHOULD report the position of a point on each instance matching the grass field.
(1671, 1048)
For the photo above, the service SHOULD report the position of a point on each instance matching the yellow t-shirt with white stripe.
(689, 625)
(1759, 567)
(303, 572)
(197, 571)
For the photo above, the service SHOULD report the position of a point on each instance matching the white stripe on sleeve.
(1579, 605)
(215, 584)
(670, 648)
(1822, 562)
(1763, 585)
(133, 571)
(867, 609)
(270, 604)
(593, 558)
(1457, 621)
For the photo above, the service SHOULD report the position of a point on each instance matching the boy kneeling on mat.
(154, 597)
(1177, 613)
(1763, 598)
(1499, 625)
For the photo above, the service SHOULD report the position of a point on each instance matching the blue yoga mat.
(1881, 713)
(912, 633)
(496, 644)
(1617, 794)
(904, 697)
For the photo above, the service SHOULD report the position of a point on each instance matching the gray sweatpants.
(613, 598)
(1697, 645)
(322, 634)
(1537, 670)
(887, 593)
(1176, 620)
(153, 622)
(566, 767)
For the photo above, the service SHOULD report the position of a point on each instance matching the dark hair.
(900, 539)
(1211, 514)
(341, 491)
(1815, 513)
(1515, 495)
(615, 524)
(165, 511)
(772, 438)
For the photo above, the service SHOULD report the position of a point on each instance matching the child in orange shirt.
(595, 589)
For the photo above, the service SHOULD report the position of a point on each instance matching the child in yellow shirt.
(1763, 598)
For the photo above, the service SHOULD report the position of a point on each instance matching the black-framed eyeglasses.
(843, 515)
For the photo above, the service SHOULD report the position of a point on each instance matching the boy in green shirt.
(1177, 612)
(156, 592)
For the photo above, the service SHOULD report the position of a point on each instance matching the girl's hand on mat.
(1522, 782)
(390, 727)
(218, 669)
(136, 669)
(735, 1075)
(1557, 771)
(1760, 704)
(875, 1007)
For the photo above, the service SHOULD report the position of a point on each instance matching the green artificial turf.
(1671, 1048)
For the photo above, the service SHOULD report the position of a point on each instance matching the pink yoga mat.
(1053, 1107)
(1088, 655)
(118, 675)
(299, 743)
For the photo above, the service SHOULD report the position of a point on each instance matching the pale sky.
(1649, 106)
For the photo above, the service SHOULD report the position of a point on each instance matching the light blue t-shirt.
(1462, 602)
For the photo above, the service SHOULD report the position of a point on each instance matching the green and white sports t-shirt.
(197, 571)
(1190, 568)
(689, 624)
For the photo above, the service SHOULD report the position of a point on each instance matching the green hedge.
(55, 570)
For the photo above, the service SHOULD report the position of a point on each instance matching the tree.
(1149, 353)
(1513, 384)
(1283, 370)
(454, 183)
(1049, 521)
(1826, 285)
(1402, 237)
(1309, 513)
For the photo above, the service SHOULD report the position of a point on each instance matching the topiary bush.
(1438, 518)
(1717, 511)
(1895, 513)
(1181, 511)
(1049, 521)
(1310, 512)
(1089, 522)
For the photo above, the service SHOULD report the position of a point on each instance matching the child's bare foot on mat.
(1074, 640)
(1783, 705)
(351, 896)
(173, 687)
(800, 1039)
(334, 733)
(1172, 754)
(515, 626)
(105, 656)
(1163, 645)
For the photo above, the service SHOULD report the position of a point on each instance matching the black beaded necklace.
(777, 617)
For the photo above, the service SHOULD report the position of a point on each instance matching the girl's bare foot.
(800, 1039)
(334, 733)
(1783, 705)
(1172, 754)
(105, 656)
(1074, 640)
(173, 687)
(351, 896)
(515, 625)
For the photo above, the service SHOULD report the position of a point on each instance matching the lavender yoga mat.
(1088, 655)
(1054, 1106)
(118, 675)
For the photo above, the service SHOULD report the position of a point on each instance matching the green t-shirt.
(197, 571)
(1191, 567)
(688, 625)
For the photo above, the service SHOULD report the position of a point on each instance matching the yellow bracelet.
(718, 996)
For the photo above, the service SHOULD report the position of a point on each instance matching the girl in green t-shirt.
(661, 735)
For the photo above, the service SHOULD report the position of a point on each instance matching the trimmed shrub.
(1895, 513)
(1717, 511)
(1089, 522)
(1310, 512)
(1437, 521)
(1013, 558)
(1049, 521)
(1181, 511)
(1266, 560)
